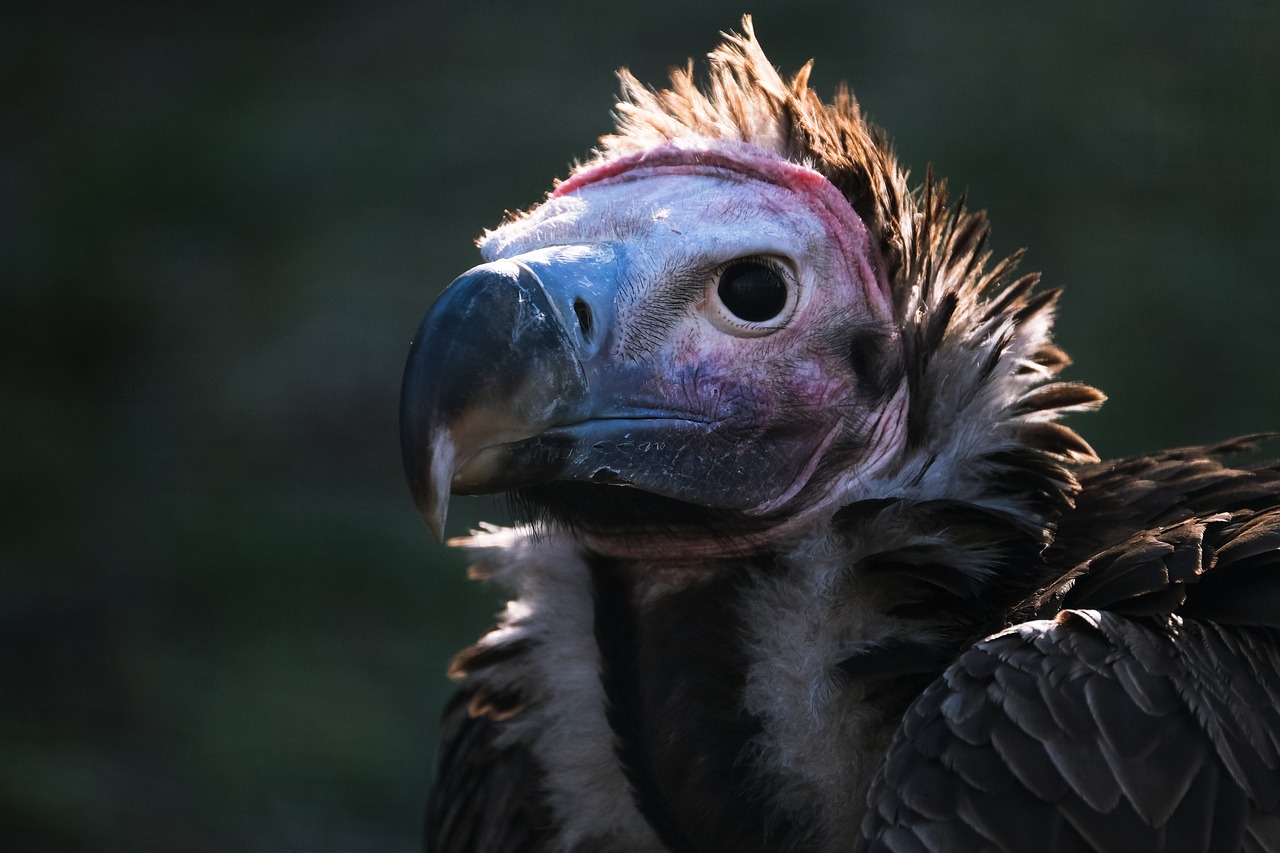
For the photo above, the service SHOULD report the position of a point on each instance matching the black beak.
(493, 365)
(519, 376)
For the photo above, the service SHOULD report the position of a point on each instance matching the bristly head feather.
(977, 338)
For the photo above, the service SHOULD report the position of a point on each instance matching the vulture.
(809, 562)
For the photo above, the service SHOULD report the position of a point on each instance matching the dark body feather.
(486, 796)
(1085, 731)
(1143, 713)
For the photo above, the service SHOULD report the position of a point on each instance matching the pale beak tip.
(434, 515)
(434, 501)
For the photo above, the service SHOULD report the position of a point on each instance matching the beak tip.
(433, 494)
(491, 361)
(434, 517)
(434, 509)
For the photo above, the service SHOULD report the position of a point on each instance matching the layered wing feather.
(1141, 711)
(1086, 733)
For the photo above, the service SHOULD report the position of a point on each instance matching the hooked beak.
(515, 379)
(493, 367)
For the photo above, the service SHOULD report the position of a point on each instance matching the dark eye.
(752, 291)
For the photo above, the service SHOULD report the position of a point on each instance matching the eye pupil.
(752, 291)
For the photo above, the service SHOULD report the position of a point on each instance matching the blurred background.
(222, 625)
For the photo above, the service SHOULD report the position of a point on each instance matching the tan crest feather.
(977, 338)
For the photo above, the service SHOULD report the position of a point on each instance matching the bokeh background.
(222, 626)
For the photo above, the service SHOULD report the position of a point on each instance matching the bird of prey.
(810, 563)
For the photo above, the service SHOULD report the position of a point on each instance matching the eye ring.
(751, 296)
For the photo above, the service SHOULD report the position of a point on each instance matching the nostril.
(582, 311)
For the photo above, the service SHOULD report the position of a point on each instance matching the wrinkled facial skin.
(681, 397)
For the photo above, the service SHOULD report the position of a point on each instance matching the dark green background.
(222, 626)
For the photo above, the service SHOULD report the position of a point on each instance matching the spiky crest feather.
(977, 339)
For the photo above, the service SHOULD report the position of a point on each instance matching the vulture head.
(811, 556)
(731, 322)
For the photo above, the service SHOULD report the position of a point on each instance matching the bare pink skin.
(680, 215)
(843, 225)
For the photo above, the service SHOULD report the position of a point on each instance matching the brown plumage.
(849, 585)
